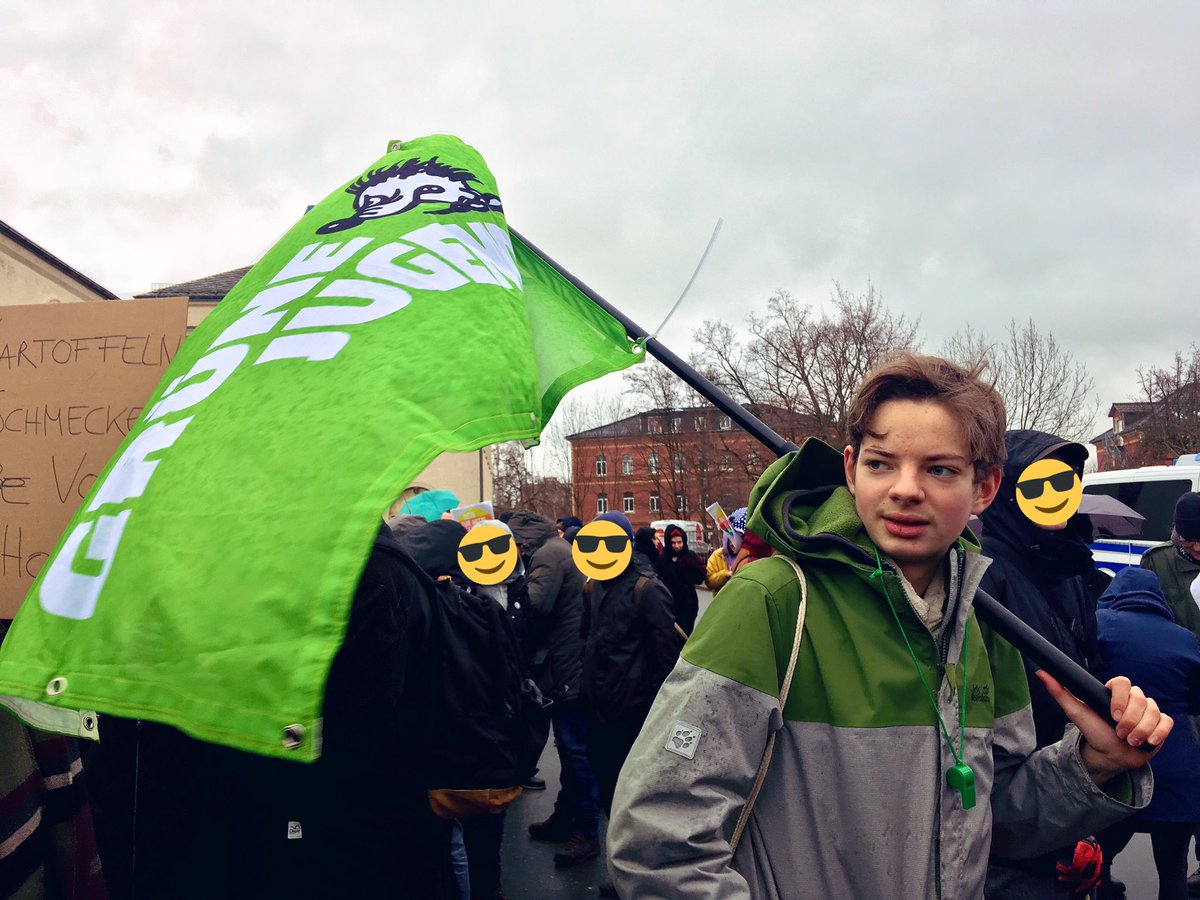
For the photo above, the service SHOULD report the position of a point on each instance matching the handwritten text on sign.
(73, 380)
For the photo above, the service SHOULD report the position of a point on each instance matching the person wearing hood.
(555, 610)
(565, 523)
(1140, 638)
(631, 645)
(680, 570)
(434, 547)
(878, 744)
(1038, 573)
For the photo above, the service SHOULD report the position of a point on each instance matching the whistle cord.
(962, 705)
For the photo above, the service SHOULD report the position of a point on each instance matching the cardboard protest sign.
(73, 378)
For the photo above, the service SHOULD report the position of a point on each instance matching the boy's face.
(914, 485)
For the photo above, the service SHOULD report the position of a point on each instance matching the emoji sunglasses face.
(1049, 492)
(487, 554)
(602, 550)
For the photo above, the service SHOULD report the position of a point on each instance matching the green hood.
(812, 481)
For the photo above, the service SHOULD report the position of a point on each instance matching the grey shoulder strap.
(783, 694)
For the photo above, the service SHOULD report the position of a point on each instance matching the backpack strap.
(638, 588)
(784, 687)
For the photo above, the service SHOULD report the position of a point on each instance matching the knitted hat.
(619, 519)
(1187, 517)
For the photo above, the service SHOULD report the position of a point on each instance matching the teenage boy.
(906, 746)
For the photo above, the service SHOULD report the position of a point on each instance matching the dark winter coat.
(555, 606)
(681, 572)
(1139, 639)
(632, 644)
(1176, 574)
(215, 822)
(1039, 575)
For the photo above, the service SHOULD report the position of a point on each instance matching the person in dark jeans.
(632, 645)
(554, 609)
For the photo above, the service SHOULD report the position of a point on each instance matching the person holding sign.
(840, 724)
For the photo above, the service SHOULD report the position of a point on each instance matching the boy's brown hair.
(972, 402)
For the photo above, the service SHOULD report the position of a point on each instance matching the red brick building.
(672, 463)
(1130, 443)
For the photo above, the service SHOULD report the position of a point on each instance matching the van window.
(1153, 499)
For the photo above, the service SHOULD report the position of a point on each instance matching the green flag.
(205, 581)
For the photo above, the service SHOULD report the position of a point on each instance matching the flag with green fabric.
(206, 580)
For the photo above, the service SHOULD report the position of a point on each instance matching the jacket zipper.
(943, 648)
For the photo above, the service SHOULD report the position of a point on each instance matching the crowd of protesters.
(775, 753)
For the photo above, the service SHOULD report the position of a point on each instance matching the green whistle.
(962, 779)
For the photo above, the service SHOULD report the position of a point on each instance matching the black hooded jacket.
(681, 571)
(1042, 576)
(555, 606)
(632, 644)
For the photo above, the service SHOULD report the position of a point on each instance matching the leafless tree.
(805, 362)
(1172, 427)
(1044, 387)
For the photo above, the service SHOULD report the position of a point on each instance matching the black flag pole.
(1070, 674)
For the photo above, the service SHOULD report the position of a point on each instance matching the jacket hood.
(1064, 551)
(643, 542)
(669, 532)
(1136, 590)
(806, 489)
(531, 530)
(434, 547)
(570, 522)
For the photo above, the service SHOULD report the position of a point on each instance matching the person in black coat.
(631, 647)
(556, 609)
(1040, 574)
(1140, 639)
(187, 819)
(681, 570)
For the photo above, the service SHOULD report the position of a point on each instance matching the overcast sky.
(975, 161)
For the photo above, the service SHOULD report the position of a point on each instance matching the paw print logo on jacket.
(683, 740)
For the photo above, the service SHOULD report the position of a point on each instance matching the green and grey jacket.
(855, 802)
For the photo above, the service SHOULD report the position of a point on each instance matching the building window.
(726, 423)
(601, 465)
(654, 426)
(678, 462)
(654, 504)
(627, 464)
(628, 502)
(701, 424)
(726, 462)
(752, 461)
(680, 504)
(676, 424)
(601, 503)
(652, 463)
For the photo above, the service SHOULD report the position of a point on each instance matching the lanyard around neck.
(959, 776)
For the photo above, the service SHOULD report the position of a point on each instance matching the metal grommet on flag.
(293, 737)
(89, 723)
(56, 686)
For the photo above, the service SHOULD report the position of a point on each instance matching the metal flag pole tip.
(700, 265)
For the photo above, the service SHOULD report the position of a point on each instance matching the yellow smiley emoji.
(487, 554)
(1048, 492)
(602, 550)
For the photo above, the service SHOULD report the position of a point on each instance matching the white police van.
(1151, 491)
